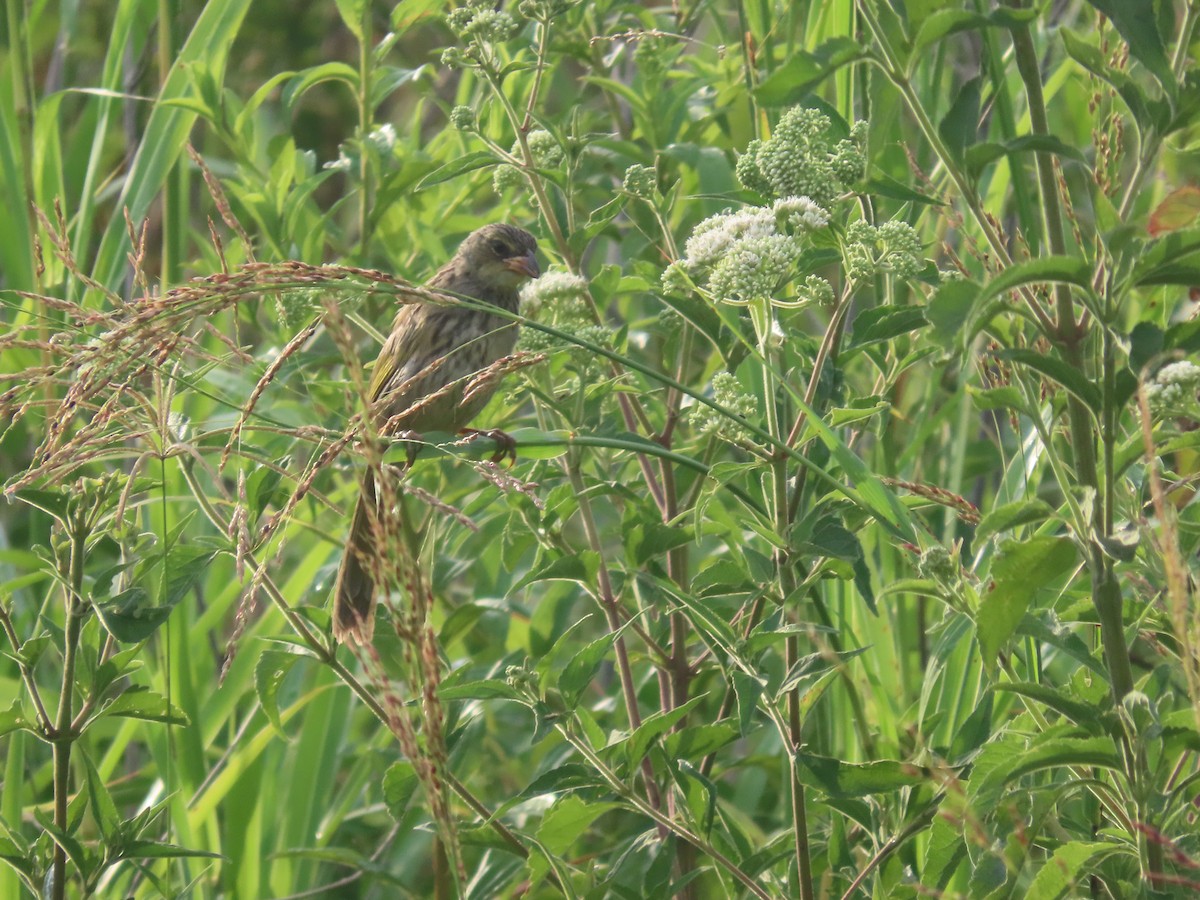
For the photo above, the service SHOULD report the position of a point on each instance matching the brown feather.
(420, 377)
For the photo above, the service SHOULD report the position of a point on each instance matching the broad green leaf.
(1012, 515)
(858, 779)
(352, 12)
(697, 741)
(1057, 369)
(269, 674)
(13, 719)
(980, 155)
(811, 670)
(945, 22)
(1043, 270)
(580, 668)
(157, 850)
(480, 159)
(569, 818)
(652, 727)
(1137, 21)
(1019, 570)
(803, 71)
(951, 309)
(1083, 714)
(399, 784)
(100, 801)
(960, 125)
(1066, 867)
(305, 79)
(1050, 750)
(142, 703)
(886, 322)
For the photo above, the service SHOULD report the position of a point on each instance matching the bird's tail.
(354, 592)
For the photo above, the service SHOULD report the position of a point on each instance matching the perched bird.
(421, 376)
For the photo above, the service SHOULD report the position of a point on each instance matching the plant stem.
(62, 738)
(786, 576)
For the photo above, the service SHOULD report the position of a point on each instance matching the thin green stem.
(612, 613)
(63, 740)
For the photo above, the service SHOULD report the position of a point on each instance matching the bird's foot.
(412, 445)
(506, 444)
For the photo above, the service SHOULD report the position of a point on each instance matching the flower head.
(1173, 392)
(802, 159)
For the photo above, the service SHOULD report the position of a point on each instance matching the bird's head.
(501, 255)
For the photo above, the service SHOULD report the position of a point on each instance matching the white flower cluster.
(728, 392)
(801, 158)
(1172, 393)
(481, 21)
(745, 255)
(546, 152)
(383, 137)
(892, 247)
(557, 290)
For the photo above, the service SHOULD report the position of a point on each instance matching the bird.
(421, 377)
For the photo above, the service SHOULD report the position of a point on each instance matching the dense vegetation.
(848, 548)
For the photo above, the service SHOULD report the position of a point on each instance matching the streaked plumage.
(429, 348)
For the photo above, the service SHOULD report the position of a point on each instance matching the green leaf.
(54, 503)
(140, 702)
(352, 12)
(158, 850)
(580, 567)
(269, 673)
(399, 784)
(569, 818)
(639, 742)
(1056, 369)
(1003, 762)
(960, 125)
(697, 741)
(1083, 714)
(1019, 570)
(1090, 57)
(308, 78)
(166, 132)
(1043, 270)
(885, 185)
(803, 71)
(580, 668)
(950, 310)
(1012, 515)
(980, 155)
(487, 689)
(1167, 254)
(100, 801)
(480, 159)
(811, 670)
(857, 779)
(1137, 21)
(945, 22)
(1066, 867)
(886, 322)
(568, 777)
(13, 719)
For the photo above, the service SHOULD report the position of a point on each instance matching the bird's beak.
(526, 265)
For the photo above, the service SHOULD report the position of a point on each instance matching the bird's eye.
(501, 249)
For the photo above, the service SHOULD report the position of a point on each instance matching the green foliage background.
(886, 595)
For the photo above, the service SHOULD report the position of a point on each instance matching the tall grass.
(848, 558)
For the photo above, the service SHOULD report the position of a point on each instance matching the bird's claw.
(506, 444)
